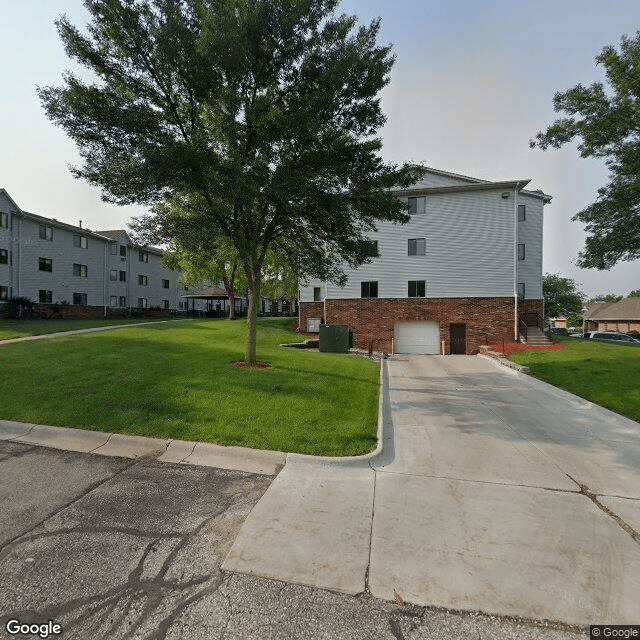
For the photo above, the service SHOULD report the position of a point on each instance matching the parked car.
(557, 331)
(613, 335)
(586, 334)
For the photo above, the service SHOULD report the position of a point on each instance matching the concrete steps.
(535, 336)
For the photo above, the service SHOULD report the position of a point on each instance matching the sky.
(473, 82)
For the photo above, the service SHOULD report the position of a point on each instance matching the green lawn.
(22, 328)
(602, 372)
(175, 380)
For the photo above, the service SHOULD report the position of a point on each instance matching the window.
(122, 301)
(521, 290)
(181, 305)
(4, 220)
(4, 256)
(520, 252)
(313, 325)
(44, 297)
(80, 270)
(142, 280)
(522, 212)
(142, 303)
(80, 298)
(113, 275)
(113, 248)
(113, 301)
(417, 247)
(143, 256)
(165, 284)
(373, 248)
(123, 250)
(165, 304)
(45, 264)
(123, 276)
(4, 292)
(316, 294)
(369, 289)
(46, 233)
(417, 289)
(79, 241)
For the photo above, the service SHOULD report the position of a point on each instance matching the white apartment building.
(50, 261)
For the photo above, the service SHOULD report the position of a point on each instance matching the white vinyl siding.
(530, 235)
(469, 251)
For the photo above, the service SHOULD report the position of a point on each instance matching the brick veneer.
(531, 305)
(488, 320)
(309, 310)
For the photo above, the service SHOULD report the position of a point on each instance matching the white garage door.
(417, 337)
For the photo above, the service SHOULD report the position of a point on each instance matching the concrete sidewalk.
(62, 334)
(493, 492)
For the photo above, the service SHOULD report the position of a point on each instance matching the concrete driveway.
(493, 492)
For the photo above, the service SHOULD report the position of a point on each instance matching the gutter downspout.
(515, 261)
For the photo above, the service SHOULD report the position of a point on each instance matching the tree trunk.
(252, 319)
(232, 305)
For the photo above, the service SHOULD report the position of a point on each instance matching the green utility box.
(335, 338)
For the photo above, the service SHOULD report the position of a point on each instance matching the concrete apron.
(493, 492)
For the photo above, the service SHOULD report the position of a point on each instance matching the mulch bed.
(241, 364)
(511, 347)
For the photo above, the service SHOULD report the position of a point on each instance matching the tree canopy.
(561, 296)
(260, 116)
(606, 120)
(606, 297)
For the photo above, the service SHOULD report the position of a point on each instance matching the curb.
(179, 451)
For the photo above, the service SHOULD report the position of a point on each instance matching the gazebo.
(211, 294)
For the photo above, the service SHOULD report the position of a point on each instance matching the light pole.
(584, 312)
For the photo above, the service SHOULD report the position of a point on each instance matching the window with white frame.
(113, 301)
(113, 248)
(123, 250)
(45, 297)
(46, 233)
(113, 275)
(80, 270)
(80, 298)
(143, 303)
(143, 256)
(143, 280)
(79, 241)
(123, 276)
(522, 212)
(521, 252)
(165, 304)
(369, 289)
(4, 256)
(4, 219)
(165, 284)
(416, 246)
(4, 293)
(521, 290)
(45, 264)
(316, 294)
(122, 300)
(416, 288)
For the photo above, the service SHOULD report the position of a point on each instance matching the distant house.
(466, 270)
(613, 316)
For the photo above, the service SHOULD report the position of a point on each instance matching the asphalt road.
(112, 548)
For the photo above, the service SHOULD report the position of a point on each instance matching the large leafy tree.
(561, 296)
(606, 120)
(260, 114)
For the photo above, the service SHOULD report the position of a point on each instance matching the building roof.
(626, 309)
(475, 186)
(113, 234)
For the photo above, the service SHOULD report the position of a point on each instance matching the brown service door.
(458, 333)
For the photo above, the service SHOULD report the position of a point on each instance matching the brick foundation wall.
(309, 310)
(488, 320)
(531, 305)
